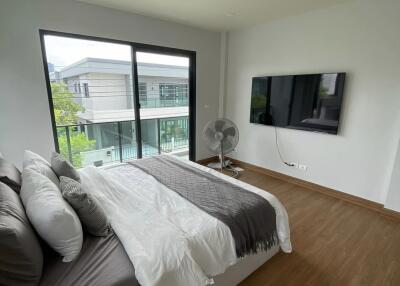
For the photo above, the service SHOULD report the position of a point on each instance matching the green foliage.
(323, 91)
(65, 113)
(172, 129)
(65, 109)
(79, 143)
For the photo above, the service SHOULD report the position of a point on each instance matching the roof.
(96, 65)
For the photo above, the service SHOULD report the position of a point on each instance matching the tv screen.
(307, 102)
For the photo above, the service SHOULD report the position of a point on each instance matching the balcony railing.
(161, 102)
(109, 142)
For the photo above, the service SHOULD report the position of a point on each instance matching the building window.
(142, 90)
(86, 89)
(173, 90)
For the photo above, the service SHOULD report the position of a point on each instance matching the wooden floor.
(334, 242)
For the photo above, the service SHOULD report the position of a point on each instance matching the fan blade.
(230, 131)
(219, 124)
(226, 145)
(215, 146)
(209, 133)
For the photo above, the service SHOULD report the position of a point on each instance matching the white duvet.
(170, 241)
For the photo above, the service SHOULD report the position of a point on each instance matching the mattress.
(102, 262)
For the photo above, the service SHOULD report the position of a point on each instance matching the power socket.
(303, 167)
(299, 166)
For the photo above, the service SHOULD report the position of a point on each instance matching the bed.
(104, 262)
(177, 221)
(160, 238)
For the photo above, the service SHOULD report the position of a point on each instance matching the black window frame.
(135, 47)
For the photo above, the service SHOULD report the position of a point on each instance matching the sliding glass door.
(113, 101)
(163, 89)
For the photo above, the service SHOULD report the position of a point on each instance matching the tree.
(79, 143)
(65, 109)
(65, 113)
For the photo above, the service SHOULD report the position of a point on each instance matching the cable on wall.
(277, 144)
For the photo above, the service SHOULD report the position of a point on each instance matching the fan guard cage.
(221, 131)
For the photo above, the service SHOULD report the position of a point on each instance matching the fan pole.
(222, 157)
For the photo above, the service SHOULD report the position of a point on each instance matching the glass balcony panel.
(174, 136)
(98, 144)
(150, 137)
(128, 140)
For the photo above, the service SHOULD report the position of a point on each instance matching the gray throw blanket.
(250, 218)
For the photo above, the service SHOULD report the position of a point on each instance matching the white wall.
(24, 110)
(361, 38)
(393, 196)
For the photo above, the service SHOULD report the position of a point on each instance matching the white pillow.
(40, 165)
(52, 217)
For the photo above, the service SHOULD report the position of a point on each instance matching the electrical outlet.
(299, 166)
(303, 167)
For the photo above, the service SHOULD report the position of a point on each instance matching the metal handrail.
(122, 121)
(161, 146)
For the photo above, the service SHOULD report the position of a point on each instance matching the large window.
(108, 98)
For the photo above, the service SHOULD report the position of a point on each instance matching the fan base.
(226, 167)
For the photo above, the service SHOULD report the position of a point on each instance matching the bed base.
(242, 269)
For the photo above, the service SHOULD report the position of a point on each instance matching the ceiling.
(218, 15)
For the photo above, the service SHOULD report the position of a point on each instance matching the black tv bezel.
(309, 129)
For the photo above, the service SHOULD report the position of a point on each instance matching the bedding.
(239, 209)
(91, 214)
(168, 239)
(21, 258)
(63, 168)
(35, 162)
(102, 262)
(52, 217)
(10, 175)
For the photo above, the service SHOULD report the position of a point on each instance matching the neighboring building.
(104, 89)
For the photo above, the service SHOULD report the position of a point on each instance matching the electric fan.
(221, 137)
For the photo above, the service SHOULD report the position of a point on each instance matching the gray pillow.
(21, 258)
(63, 168)
(90, 212)
(10, 175)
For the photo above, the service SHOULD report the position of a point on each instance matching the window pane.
(91, 84)
(165, 107)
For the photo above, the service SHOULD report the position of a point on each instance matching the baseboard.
(314, 187)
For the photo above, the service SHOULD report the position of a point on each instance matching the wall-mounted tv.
(307, 102)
